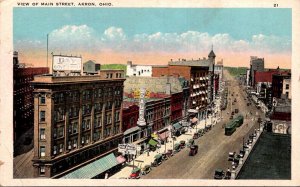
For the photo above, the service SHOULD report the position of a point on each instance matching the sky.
(154, 35)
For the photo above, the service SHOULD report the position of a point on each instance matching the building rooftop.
(269, 159)
(198, 63)
(49, 78)
(152, 84)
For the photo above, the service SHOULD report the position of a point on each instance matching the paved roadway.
(213, 146)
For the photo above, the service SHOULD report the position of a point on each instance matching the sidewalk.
(146, 159)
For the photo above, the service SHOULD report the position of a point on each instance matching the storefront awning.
(121, 159)
(194, 120)
(131, 130)
(177, 126)
(164, 135)
(152, 142)
(93, 169)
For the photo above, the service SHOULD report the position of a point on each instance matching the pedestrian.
(106, 175)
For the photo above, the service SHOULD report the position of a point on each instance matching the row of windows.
(73, 142)
(81, 157)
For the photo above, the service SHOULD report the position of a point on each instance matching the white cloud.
(83, 38)
(114, 34)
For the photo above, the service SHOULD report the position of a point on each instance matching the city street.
(213, 146)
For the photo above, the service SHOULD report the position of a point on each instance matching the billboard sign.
(66, 63)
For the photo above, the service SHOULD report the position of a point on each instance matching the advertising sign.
(122, 148)
(66, 63)
(131, 149)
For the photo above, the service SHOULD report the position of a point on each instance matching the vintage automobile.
(231, 156)
(146, 169)
(177, 147)
(182, 144)
(190, 143)
(157, 160)
(196, 135)
(135, 173)
(201, 132)
(169, 153)
(219, 174)
(241, 154)
(193, 150)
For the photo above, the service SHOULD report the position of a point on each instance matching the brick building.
(200, 74)
(76, 121)
(23, 96)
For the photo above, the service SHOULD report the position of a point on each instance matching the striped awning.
(93, 169)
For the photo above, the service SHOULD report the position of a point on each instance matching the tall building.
(23, 97)
(77, 120)
(219, 69)
(277, 84)
(138, 70)
(256, 64)
(201, 80)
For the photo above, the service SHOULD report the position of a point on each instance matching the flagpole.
(47, 48)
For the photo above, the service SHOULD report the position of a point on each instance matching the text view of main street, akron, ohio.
(152, 93)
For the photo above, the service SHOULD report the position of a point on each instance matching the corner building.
(77, 119)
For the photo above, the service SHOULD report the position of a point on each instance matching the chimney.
(171, 60)
(129, 63)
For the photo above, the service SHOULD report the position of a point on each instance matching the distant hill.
(235, 71)
(114, 66)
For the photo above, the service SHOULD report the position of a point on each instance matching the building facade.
(138, 70)
(277, 83)
(23, 96)
(256, 64)
(76, 119)
(200, 74)
(286, 88)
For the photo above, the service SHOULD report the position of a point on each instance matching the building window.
(61, 132)
(287, 94)
(42, 170)
(75, 124)
(42, 151)
(42, 134)
(287, 86)
(42, 116)
(54, 150)
(75, 143)
(42, 99)
(61, 147)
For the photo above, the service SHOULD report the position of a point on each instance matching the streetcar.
(239, 120)
(230, 128)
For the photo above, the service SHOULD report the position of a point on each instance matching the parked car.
(146, 169)
(135, 173)
(219, 174)
(193, 150)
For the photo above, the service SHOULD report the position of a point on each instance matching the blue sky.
(121, 34)
(35, 23)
